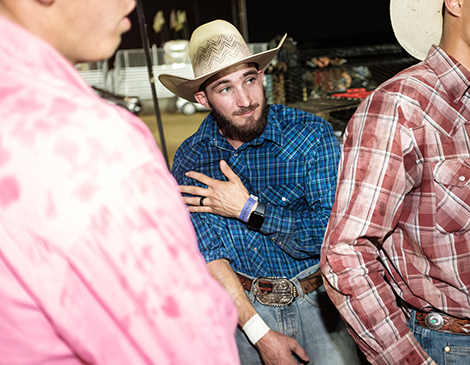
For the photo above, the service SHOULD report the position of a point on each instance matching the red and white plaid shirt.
(400, 224)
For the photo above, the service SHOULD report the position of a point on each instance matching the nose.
(243, 98)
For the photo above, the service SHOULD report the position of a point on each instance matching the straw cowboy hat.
(214, 47)
(417, 24)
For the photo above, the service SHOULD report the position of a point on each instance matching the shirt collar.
(448, 69)
(210, 130)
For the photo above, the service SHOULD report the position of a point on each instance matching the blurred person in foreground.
(259, 181)
(98, 259)
(396, 255)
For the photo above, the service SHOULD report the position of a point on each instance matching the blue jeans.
(436, 343)
(312, 320)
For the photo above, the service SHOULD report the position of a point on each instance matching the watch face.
(257, 217)
(256, 220)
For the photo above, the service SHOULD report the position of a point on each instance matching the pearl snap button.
(283, 199)
(462, 178)
(447, 349)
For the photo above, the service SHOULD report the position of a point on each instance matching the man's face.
(238, 104)
(252, 129)
(91, 29)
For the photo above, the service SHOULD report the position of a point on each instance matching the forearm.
(384, 342)
(274, 347)
(224, 274)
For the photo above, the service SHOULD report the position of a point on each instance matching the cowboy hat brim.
(185, 88)
(417, 24)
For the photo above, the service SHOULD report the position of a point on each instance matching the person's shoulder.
(198, 140)
(194, 139)
(92, 118)
(302, 131)
(293, 118)
(416, 79)
(411, 89)
(72, 125)
(77, 147)
(291, 115)
(409, 92)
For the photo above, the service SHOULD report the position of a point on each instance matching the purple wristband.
(244, 215)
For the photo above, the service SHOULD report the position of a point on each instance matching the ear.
(261, 74)
(454, 7)
(201, 98)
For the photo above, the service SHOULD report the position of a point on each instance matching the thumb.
(299, 350)
(227, 171)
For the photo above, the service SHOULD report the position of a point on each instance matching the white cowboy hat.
(214, 47)
(417, 24)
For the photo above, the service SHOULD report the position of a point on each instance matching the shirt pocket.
(452, 179)
(283, 195)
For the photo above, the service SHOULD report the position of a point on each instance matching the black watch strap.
(256, 219)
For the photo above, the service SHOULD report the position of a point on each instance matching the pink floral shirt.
(98, 258)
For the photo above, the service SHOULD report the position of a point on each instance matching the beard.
(247, 132)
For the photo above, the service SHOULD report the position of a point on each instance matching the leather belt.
(440, 322)
(279, 291)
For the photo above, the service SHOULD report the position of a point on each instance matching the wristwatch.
(256, 219)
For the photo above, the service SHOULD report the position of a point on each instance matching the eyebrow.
(222, 81)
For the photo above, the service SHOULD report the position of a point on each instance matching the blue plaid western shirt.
(291, 168)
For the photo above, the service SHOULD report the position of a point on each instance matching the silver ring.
(201, 201)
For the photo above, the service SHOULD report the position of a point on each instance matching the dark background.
(313, 23)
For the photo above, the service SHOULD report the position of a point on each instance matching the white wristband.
(255, 328)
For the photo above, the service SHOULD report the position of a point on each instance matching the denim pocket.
(457, 355)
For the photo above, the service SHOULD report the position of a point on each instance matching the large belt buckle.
(434, 321)
(274, 292)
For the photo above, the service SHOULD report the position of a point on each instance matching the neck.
(235, 144)
(454, 41)
(458, 50)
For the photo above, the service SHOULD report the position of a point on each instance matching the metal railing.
(95, 73)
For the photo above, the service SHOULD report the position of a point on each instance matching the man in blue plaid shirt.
(259, 181)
